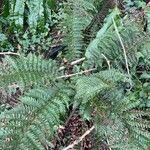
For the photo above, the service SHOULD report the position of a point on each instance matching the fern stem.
(123, 47)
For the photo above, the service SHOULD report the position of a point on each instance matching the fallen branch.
(80, 139)
(9, 53)
(73, 63)
(79, 73)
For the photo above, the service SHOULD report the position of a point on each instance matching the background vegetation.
(74, 75)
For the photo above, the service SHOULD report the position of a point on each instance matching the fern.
(93, 45)
(33, 122)
(76, 16)
(98, 19)
(36, 13)
(27, 71)
(119, 117)
(116, 103)
(18, 12)
(98, 83)
(110, 47)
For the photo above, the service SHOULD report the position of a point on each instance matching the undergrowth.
(109, 89)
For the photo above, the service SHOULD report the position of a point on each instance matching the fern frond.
(126, 129)
(89, 87)
(27, 71)
(110, 47)
(36, 15)
(32, 123)
(116, 118)
(76, 18)
(17, 12)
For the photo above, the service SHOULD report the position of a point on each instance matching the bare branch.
(80, 139)
(79, 73)
(73, 63)
(9, 53)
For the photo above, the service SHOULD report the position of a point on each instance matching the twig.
(79, 73)
(9, 53)
(108, 62)
(73, 63)
(80, 139)
(148, 4)
(60, 69)
(77, 61)
(107, 141)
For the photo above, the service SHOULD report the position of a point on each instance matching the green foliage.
(33, 13)
(108, 47)
(117, 102)
(32, 123)
(121, 102)
(76, 17)
(93, 45)
(34, 43)
(89, 87)
(26, 43)
(121, 117)
(27, 71)
(27, 24)
(5, 44)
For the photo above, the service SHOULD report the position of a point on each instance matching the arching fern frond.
(27, 71)
(76, 17)
(32, 123)
(119, 117)
(110, 47)
(135, 123)
(89, 87)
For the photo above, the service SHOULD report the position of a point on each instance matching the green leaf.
(19, 12)
(6, 8)
(36, 13)
(2, 37)
(51, 4)
(145, 75)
